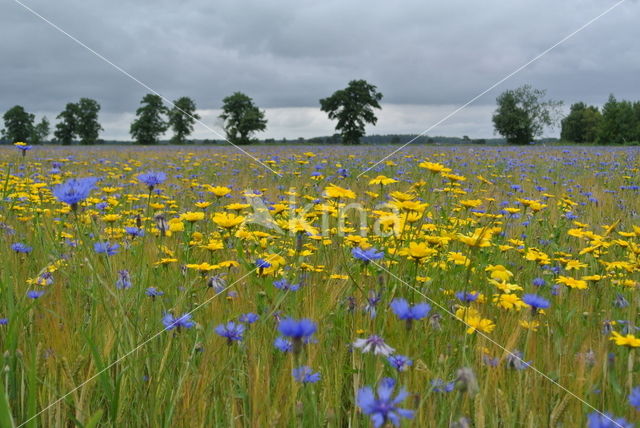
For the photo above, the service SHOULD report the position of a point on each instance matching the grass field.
(116, 293)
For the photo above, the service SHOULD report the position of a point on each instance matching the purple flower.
(153, 292)
(304, 375)
(19, 247)
(374, 344)
(231, 330)
(536, 302)
(367, 255)
(606, 420)
(74, 191)
(634, 397)
(283, 344)
(399, 362)
(283, 284)
(467, 297)
(183, 321)
(440, 385)
(34, 294)
(134, 231)
(404, 311)
(4, 321)
(384, 408)
(124, 280)
(152, 178)
(106, 248)
(249, 318)
(297, 329)
(262, 264)
(538, 282)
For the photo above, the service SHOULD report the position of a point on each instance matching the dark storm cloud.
(291, 53)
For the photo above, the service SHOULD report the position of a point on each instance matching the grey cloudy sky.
(426, 57)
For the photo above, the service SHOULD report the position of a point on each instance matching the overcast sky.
(426, 57)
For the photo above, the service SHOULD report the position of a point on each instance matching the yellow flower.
(434, 167)
(165, 261)
(202, 267)
(227, 220)
(175, 225)
(213, 246)
(508, 301)
(219, 191)
(499, 272)
(476, 323)
(471, 203)
(458, 258)
(192, 216)
(382, 180)
(629, 340)
(530, 325)
(333, 191)
(110, 218)
(419, 251)
(572, 282)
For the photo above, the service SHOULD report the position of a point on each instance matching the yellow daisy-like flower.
(477, 323)
(336, 192)
(192, 217)
(629, 340)
(572, 282)
(382, 180)
(227, 220)
(434, 167)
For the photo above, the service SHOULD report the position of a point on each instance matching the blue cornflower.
(283, 344)
(74, 191)
(399, 362)
(297, 329)
(249, 318)
(262, 264)
(134, 231)
(367, 255)
(304, 374)
(539, 282)
(152, 178)
(634, 397)
(4, 321)
(536, 302)
(124, 280)
(283, 284)
(404, 311)
(440, 385)
(153, 292)
(34, 294)
(231, 330)
(467, 297)
(19, 247)
(372, 302)
(606, 420)
(384, 408)
(106, 248)
(183, 321)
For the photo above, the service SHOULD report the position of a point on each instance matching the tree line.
(522, 115)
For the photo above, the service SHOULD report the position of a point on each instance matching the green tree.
(88, 127)
(582, 124)
(40, 131)
(241, 118)
(18, 125)
(150, 122)
(182, 117)
(522, 114)
(618, 122)
(353, 108)
(67, 128)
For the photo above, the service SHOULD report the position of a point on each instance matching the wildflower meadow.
(312, 286)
